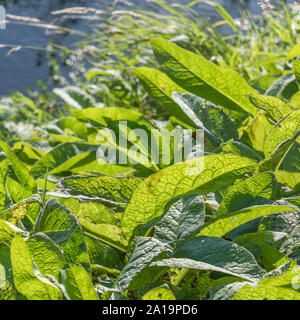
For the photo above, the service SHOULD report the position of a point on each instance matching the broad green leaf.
(106, 187)
(91, 211)
(46, 255)
(291, 246)
(145, 251)
(26, 209)
(274, 161)
(284, 130)
(282, 222)
(285, 86)
(16, 191)
(294, 52)
(25, 205)
(216, 254)
(3, 171)
(62, 158)
(291, 161)
(290, 180)
(262, 246)
(252, 191)
(56, 221)
(71, 124)
(55, 138)
(22, 173)
(217, 126)
(153, 194)
(75, 97)
(263, 82)
(183, 219)
(296, 66)
(2, 277)
(27, 153)
(91, 164)
(203, 78)
(75, 250)
(226, 222)
(26, 282)
(227, 288)
(161, 87)
(276, 108)
(102, 254)
(240, 149)
(107, 233)
(101, 116)
(7, 232)
(255, 131)
(78, 284)
(295, 100)
(273, 288)
(159, 294)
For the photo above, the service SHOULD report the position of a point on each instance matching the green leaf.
(284, 130)
(26, 208)
(62, 158)
(145, 251)
(283, 86)
(25, 280)
(216, 254)
(289, 179)
(107, 233)
(101, 116)
(262, 246)
(153, 194)
(183, 219)
(295, 100)
(296, 66)
(3, 171)
(255, 132)
(91, 211)
(272, 288)
(76, 251)
(56, 221)
(78, 284)
(27, 153)
(7, 233)
(276, 108)
(159, 294)
(294, 52)
(106, 187)
(72, 124)
(46, 254)
(203, 78)
(75, 97)
(220, 226)
(102, 254)
(240, 149)
(252, 191)
(217, 126)
(161, 87)
(22, 173)
(274, 161)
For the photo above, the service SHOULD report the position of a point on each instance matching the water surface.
(23, 68)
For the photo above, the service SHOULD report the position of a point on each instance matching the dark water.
(23, 68)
